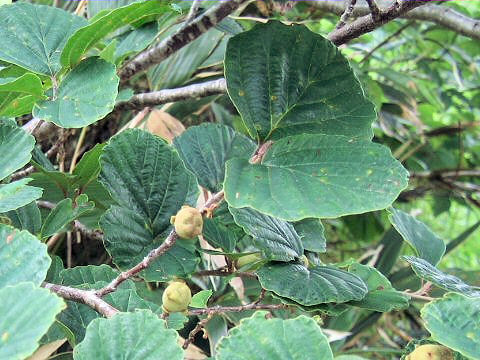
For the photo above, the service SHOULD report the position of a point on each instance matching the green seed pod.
(176, 297)
(247, 259)
(188, 222)
(430, 352)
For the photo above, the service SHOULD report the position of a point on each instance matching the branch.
(222, 309)
(147, 260)
(440, 15)
(224, 272)
(155, 98)
(374, 10)
(179, 39)
(346, 14)
(87, 297)
(155, 253)
(367, 23)
(446, 173)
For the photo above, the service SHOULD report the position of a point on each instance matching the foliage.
(319, 171)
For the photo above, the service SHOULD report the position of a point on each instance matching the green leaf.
(321, 176)
(311, 286)
(286, 80)
(200, 299)
(135, 40)
(33, 36)
(277, 238)
(428, 272)
(88, 167)
(26, 313)
(454, 321)
(381, 295)
(22, 257)
(26, 218)
(86, 37)
(311, 232)
(84, 96)
(112, 338)
(218, 235)
(64, 213)
(426, 244)
(147, 179)
(206, 148)
(17, 95)
(258, 338)
(17, 194)
(16, 147)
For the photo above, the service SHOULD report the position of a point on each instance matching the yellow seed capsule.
(430, 352)
(188, 222)
(176, 297)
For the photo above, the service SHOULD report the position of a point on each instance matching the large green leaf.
(277, 238)
(323, 176)
(426, 244)
(17, 194)
(381, 295)
(33, 36)
(311, 286)
(26, 313)
(311, 231)
(206, 148)
(428, 272)
(26, 218)
(86, 37)
(147, 179)
(17, 95)
(64, 213)
(22, 257)
(131, 336)
(258, 338)
(286, 80)
(454, 321)
(16, 147)
(84, 96)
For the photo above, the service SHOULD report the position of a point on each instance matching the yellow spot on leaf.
(241, 93)
(5, 336)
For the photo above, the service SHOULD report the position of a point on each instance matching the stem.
(222, 309)
(76, 153)
(87, 297)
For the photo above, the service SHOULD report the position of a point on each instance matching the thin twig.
(346, 14)
(86, 297)
(223, 309)
(179, 39)
(193, 11)
(23, 173)
(154, 254)
(220, 272)
(78, 147)
(376, 12)
(390, 37)
(366, 23)
(147, 260)
(200, 326)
